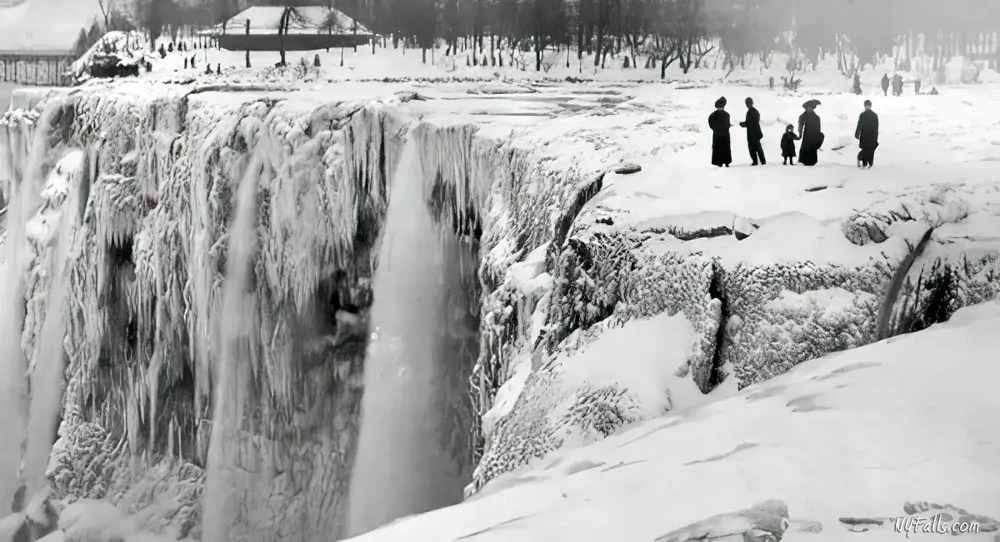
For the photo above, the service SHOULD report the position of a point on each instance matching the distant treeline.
(664, 32)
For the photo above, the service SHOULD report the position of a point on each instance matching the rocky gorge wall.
(556, 271)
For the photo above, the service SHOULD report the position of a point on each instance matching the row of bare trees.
(637, 33)
(664, 32)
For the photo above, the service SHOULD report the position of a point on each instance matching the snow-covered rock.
(607, 300)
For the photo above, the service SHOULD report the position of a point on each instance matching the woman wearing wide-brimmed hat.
(811, 133)
(718, 121)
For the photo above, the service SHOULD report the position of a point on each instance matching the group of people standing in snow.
(809, 132)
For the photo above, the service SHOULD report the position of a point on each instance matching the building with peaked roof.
(310, 28)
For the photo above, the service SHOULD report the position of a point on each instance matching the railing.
(33, 69)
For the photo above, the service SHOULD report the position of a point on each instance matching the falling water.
(25, 181)
(403, 464)
(49, 363)
(232, 371)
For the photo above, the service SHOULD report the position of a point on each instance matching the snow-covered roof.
(45, 26)
(308, 20)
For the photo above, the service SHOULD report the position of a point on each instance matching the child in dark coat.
(788, 145)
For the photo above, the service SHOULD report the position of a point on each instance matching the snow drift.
(576, 264)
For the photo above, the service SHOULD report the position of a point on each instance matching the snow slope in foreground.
(855, 434)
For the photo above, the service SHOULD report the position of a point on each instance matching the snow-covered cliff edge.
(605, 298)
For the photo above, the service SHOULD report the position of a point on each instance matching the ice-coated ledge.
(608, 299)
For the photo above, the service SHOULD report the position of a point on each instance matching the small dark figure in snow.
(897, 85)
(718, 121)
(185, 63)
(916, 86)
(149, 66)
(770, 82)
(934, 91)
(218, 69)
(788, 140)
(163, 52)
(867, 136)
(754, 133)
(810, 130)
(857, 84)
(192, 61)
(316, 60)
(170, 47)
(885, 84)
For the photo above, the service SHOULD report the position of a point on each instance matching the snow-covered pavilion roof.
(309, 20)
(44, 26)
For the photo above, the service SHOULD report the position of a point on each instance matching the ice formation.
(157, 327)
(413, 451)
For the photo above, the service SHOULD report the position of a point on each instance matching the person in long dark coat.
(718, 121)
(810, 131)
(754, 134)
(885, 84)
(867, 135)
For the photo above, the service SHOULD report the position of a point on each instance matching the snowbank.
(843, 436)
(608, 299)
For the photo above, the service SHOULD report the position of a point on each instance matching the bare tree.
(106, 7)
(290, 16)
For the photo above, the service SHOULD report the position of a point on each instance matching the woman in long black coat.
(718, 121)
(811, 133)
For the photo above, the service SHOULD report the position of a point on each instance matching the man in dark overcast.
(754, 134)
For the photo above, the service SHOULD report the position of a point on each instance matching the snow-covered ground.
(852, 435)
(627, 296)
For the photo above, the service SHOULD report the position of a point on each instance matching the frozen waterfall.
(230, 377)
(25, 188)
(408, 460)
(48, 365)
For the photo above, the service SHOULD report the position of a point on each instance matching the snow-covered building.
(37, 38)
(309, 28)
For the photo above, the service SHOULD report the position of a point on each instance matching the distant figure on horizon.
(788, 140)
(867, 136)
(718, 121)
(885, 84)
(916, 86)
(810, 130)
(754, 134)
(857, 84)
(897, 85)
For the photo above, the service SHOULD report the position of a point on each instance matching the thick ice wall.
(145, 277)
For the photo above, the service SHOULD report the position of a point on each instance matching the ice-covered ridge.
(562, 264)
